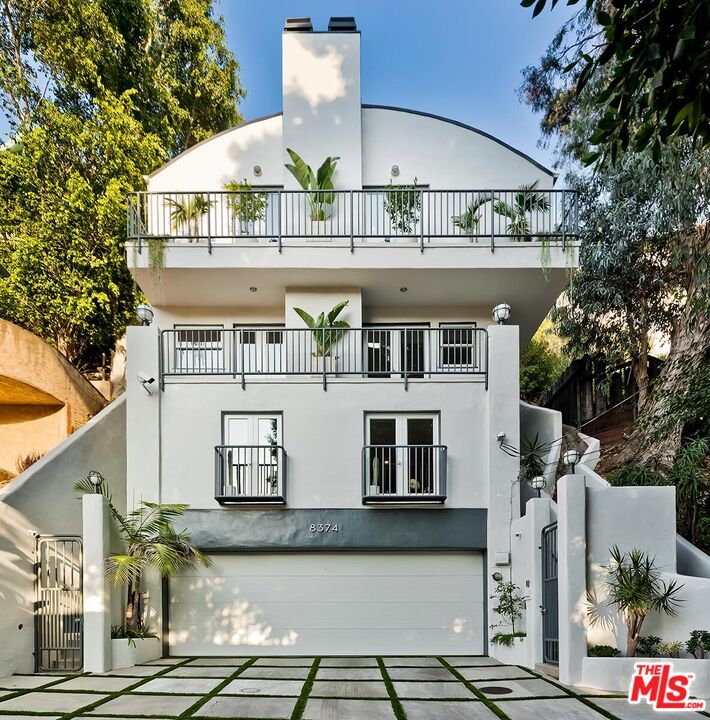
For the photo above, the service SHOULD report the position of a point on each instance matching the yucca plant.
(188, 212)
(469, 220)
(320, 183)
(525, 201)
(150, 541)
(635, 590)
(327, 329)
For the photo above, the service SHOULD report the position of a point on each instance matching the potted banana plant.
(320, 196)
(327, 331)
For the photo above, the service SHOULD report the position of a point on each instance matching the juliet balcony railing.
(403, 352)
(354, 217)
(404, 473)
(250, 474)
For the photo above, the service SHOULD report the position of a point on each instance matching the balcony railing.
(403, 352)
(354, 217)
(250, 474)
(403, 473)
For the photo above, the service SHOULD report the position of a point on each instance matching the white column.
(572, 576)
(538, 512)
(97, 598)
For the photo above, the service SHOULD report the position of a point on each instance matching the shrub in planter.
(119, 632)
(670, 649)
(403, 204)
(507, 639)
(648, 646)
(604, 651)
(510, 605)
(699, 643)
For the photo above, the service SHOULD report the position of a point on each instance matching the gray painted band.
(231, 529)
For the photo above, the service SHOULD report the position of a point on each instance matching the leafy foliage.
(653, 55)
(523, 203)
(699, 643)
(671, 649)
(541, 363)
(247, 205)
(635, 590)
(469, 220)
(320, 183)
(119, 632)
(604, 651)
(648, 646)
(327, 329)
(403, 204)
(187, 211)
(150, 541)
(506, 639)
(97, 95)
(509, 605)
(532, 463)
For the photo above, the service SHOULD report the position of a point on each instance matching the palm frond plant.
(320, 184)
(635, 590)
(524, 202)
(469, 220)
(187, 212)
(327, 329)
(151, 542)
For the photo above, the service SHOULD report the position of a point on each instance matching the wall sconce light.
(497, 576)
(538, 483)
(97, 480)
(395, 171)
(146, 381)
(570, 459)
(257, 170)
(253, 289)
(145, 314)
(404, 289)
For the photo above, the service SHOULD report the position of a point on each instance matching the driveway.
(324, 688)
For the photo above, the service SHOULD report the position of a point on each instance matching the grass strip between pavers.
(394, 699)
(486, 701)
(111, 696)
(217, 689)
(575, 695)
(300, 706)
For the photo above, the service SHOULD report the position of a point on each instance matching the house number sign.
(323, 527)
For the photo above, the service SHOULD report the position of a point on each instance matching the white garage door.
(330, 604)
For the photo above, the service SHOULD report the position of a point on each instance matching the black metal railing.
(250, 474)
(354, 217)
(403, 473)
(403, 352)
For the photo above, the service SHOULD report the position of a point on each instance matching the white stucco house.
(352, 486)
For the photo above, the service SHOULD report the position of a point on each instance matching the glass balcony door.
(401, 454)
(396, 351)
(252, 455)
(261, 350)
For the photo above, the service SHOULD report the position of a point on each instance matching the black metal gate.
(550, 613)
(59, 611)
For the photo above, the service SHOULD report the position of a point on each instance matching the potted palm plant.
(321, 195)
(524, 202)
(327, 331)
(246, 206)
(186, 213)
(469, 220)
(150, 543)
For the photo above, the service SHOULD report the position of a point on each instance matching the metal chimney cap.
(302, 24)
(342, 24)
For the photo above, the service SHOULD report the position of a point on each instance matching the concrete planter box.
(615, 673)
(124, 654)
(516, 654)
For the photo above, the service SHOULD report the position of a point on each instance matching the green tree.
(541, 363)
(652, 58)
(98, 94)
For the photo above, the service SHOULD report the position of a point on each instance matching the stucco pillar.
(572, 576)
(97, 598)
(538, 512)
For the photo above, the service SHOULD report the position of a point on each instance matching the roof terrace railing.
(354, 217)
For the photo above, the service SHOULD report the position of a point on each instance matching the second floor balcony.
(418, 216)
(274, 353)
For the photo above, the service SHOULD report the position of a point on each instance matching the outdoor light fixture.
(145, 314)
(497, 576)
(395, 171)
(501, 313)
(570, 459)
(403, 289)
(146, 381)
(257, 170)
(97, 480)
(538, 483)
(253, 289)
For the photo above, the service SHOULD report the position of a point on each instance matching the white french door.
(402, 453)
(261, 350)
(253, 460)
(396, 351)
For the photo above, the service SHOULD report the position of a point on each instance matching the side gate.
(59, 605)
(549, 609)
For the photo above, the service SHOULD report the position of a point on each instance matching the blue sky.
(457, 58)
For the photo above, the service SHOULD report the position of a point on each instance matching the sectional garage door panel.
(281, 604)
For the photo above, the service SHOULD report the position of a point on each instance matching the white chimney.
(322, 112)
